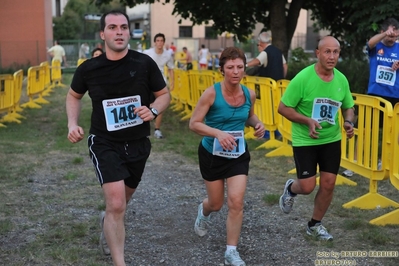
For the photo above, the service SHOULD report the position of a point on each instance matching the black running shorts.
(115, 161)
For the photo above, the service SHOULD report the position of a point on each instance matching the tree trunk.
(283, 25)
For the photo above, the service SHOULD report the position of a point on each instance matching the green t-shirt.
(309, 95)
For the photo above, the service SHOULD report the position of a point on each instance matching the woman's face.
(234, 70)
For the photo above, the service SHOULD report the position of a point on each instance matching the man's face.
(159, 43)
(116, 32)
(390, 40)
(328, 53)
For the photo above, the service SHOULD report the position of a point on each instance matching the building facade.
(25, 28)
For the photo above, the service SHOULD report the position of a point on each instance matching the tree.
(72, 24)
(351, 21)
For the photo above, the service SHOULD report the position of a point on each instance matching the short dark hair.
(389, 22)
(231, 53)
(159, 35)
(95, 50)
(113, 12)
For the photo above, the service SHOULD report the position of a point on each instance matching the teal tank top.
(225, 117)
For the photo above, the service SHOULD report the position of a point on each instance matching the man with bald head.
(312, 102)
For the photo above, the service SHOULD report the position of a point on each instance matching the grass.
(39, 170)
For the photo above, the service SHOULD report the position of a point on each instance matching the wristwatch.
(154, 112)
(350, 122)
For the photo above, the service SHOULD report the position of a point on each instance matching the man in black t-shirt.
(122, 84)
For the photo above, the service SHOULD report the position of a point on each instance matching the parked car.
(137, 33)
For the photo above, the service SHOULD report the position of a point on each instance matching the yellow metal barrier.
(368, 140)
(199, 80)
(35, 87)
(265, 108)
(393, 216)
(15, 90)
(184, 94)
(176, 105)
(7, 98)
(48, 86)
(80, 61)
(283, 124)
(18, 79)
(56, 74)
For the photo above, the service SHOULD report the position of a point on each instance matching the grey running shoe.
(201, 222)
(232, 257)
(286, 200)
(158, 134)
(103, 242)
(319, 231)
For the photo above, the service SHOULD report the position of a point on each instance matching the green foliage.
(355, 70)
(72, 24)
(357, 73)
(299, 55)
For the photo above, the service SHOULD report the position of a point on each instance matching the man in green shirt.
(312, 102)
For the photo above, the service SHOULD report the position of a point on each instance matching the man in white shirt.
(163, 58)
(271, 61)
(57, 52)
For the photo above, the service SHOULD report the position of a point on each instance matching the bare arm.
(73, 108)
(253, 62)
(380, 36)
(349, 115)
(285, 66)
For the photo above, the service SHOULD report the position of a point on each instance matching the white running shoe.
(201, 222)
(103, 242)
(232, 257)
(319, 231)
(286, 200)
(158, 134)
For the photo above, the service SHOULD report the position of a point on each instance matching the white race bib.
(119, 112)
(325, 110)
(385, 75)
(237, 152)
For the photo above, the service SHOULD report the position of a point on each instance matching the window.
(185, 31)
(210, 33)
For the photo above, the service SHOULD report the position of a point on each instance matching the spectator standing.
(120, 84)
(173, 47)
(57, 52)
(203, 56)
(271, 61)
(84, 51)
(383, 52)
(188, 58)
(163, 58)
(169, 50)
(312, 101)
(220, 116)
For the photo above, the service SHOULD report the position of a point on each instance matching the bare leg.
(158, 121)
(236, 187)
(116, 196)
(214, 201)
(324, 195)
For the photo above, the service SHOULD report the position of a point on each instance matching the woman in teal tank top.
(221, 115)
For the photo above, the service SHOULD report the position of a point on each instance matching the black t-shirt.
(115, 88)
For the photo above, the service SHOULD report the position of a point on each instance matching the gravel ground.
(161, 217)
